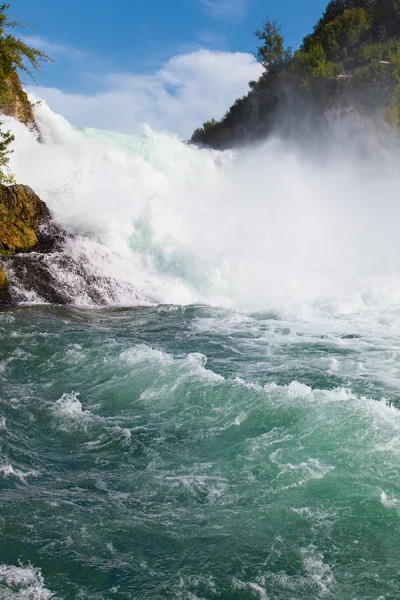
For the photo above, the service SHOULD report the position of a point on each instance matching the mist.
(253, 228)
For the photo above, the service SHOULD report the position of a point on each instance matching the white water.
(22, 583)
(253, 229)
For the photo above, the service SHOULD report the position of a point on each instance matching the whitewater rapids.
(252, 228)
(226, 425)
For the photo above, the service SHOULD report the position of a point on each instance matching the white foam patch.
(8, 472)
(319, 573)
(145, 354)
(22, 583)
(70, 407)
(377, 409)
(389, 501)
(143, 357)
(71, 415)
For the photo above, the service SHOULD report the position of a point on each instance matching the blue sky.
(108, 54)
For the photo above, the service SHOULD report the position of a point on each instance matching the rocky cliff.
(22, 216)
(14, 101)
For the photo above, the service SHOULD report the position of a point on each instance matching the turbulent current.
(225, 422)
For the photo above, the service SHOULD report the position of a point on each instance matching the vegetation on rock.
(22, 213)
(352, 59)
(3, 278)
(5, 297)
(15, 56)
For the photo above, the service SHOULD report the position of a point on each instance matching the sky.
(169, 64)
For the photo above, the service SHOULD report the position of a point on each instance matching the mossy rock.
(15, 235)
(22, 213)
(14, 101)
(25, 204)
(3, 279)
(5, 295)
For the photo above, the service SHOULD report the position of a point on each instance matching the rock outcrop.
(23, 220)
(14, 101)
(22, 213)
(35, 257)
(5, 297)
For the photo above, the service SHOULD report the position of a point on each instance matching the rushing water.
(239, 436)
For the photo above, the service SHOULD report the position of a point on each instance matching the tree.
(6, 138)
(15, 55)
(272, 53)
(343, 37)
(351, 59)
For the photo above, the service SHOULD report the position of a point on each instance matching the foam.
(70, 407)
(389, 501)
(171, 223)
(22, 583)
(8, 471)
(193, 365)
(319, 573)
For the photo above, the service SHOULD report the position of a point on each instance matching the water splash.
(156, 220)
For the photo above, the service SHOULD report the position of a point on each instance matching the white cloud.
(189, 89)
(220, 9)
(54, 50)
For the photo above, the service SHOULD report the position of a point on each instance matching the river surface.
(217, 414)
(196, 452)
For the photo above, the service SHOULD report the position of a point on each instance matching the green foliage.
(351, 59)
(14, 53)
(201, 132)
(341, 37)
(15, 56)
(6, 138)
(272, 53)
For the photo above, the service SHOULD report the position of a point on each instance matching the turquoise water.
(196, 452)
(189, 452)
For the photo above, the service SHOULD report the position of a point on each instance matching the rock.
(5, 297)
(26, 205)
(22, 214)
(36, 256)
(14, 101)
(25, 225)
(3, 278)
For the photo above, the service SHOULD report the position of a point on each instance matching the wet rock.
(22, 214)
(58, 278)
(36, 259)
(5, 297)
(25, 225)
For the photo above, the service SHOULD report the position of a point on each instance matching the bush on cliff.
(352, 59)
(15, 56)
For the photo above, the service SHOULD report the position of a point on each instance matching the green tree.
(342, 36)
(14, 53)
(351, 59)
(272, 52)
(15, 56)
(6, 138)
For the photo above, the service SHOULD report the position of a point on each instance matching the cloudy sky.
(171, 64)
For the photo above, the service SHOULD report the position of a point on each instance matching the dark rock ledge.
(25, 226)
